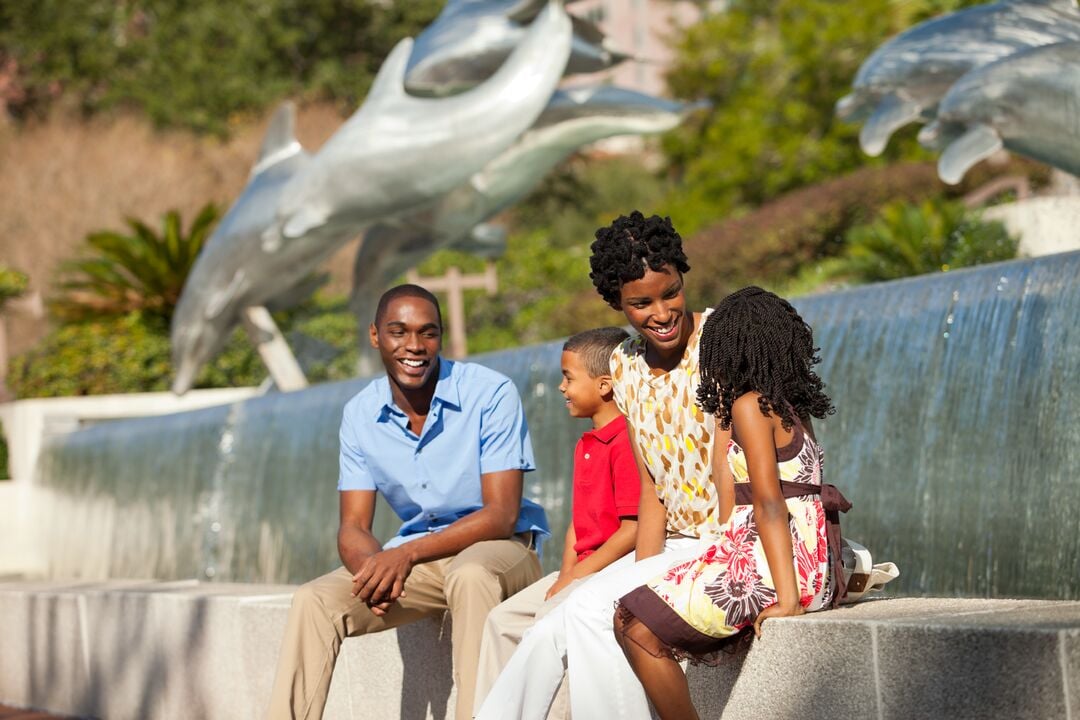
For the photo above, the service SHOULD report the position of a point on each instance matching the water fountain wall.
(956, 437)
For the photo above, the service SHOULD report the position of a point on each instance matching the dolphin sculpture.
(394, 154)
(574, 117)
(1028, 103)
(471, 39)
(905, 78)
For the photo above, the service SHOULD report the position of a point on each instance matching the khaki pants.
(324, 613)
(506, 625)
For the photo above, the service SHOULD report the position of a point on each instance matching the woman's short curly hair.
(623, 249)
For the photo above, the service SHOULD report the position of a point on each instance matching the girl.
(637, 266)
(772, 557)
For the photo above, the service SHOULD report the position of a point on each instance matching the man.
(447, 445)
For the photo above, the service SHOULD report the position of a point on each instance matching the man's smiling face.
(409, 338)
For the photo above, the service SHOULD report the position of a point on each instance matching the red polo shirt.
(606, 485)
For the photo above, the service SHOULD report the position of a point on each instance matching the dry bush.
(66, 177)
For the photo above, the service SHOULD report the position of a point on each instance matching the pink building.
(638, 28)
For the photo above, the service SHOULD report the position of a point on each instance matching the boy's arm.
(621, 542)
(569, 560)
(569, 557)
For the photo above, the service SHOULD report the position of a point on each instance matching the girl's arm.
(721, 474)
(770, 510)
(652, 516)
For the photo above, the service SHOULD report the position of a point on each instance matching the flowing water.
(957, 438)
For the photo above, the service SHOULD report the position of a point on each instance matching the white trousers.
(580, 633)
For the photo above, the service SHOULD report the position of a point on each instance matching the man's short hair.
(595, 347)
(406, 290)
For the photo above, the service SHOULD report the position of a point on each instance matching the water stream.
(957, 438)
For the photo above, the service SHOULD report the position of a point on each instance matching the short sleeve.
(353, 473)
(625, 478)
(504, 433)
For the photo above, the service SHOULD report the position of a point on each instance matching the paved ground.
(10, 713)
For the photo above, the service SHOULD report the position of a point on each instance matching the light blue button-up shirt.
(475, 425)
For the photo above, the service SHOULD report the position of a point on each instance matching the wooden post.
(274, 351)
(454, 284)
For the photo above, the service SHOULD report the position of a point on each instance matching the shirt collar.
(607, 433)
(446, 390)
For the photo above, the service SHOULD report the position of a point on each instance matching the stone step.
(165, 650)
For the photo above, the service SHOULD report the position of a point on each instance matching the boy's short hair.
(595, 347)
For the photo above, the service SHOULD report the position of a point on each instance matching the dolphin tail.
(891, 114)
(280, 140)
(977, 144)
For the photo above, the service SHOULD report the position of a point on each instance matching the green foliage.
(914, 239)
(12, 284)
(773, 72)
(200, 64)
(131, 353)
(143, 271)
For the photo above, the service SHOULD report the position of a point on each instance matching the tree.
(773, 72)
(200, 64)
(142, 271)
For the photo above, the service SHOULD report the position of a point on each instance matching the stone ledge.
(208, 650)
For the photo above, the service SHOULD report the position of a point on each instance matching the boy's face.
(584, 394)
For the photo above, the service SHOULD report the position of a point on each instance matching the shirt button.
(586, 456)
(424, 486)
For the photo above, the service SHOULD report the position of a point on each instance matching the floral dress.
(697, 605)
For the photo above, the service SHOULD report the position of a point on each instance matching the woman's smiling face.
(655, 305)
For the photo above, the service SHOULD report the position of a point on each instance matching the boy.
(605, 504)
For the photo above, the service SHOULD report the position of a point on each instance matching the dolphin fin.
(978, 143)
(220, 299)
(389, 82)
(891, 114)
(302, 222)
(587, 30)
(485, 239)
(280, 140)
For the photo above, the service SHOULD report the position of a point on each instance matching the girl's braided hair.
(756, 341)
(624, 248)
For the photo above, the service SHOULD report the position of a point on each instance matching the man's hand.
(776, 610)
(381, 577)
(560, 584)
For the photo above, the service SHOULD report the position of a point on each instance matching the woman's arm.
(652, 516)
(770, 509)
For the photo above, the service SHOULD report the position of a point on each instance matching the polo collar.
(446, 390)
(607, 433)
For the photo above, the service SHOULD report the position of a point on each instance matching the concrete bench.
(184, 650)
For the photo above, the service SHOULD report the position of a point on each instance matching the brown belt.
(833, 502)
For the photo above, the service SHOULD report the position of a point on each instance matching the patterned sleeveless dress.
(696, 606)
(673, 436)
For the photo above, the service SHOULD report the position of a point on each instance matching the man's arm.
(355, 541)
(381, 576)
